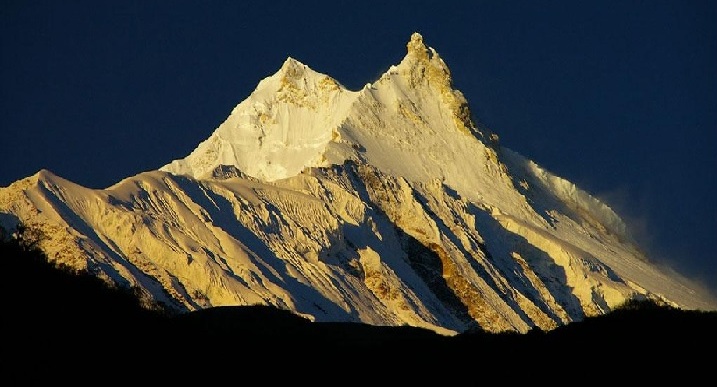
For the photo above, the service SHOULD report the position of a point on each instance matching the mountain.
(387, 205)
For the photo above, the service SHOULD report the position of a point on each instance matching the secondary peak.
(416, 46)
(292, 68)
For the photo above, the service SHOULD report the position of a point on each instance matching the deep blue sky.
(619, 97)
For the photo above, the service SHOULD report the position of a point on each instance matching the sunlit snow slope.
(385, 205)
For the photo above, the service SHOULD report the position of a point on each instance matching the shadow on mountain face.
(501, 243)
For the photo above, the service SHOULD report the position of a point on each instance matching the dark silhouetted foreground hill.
(56, 319)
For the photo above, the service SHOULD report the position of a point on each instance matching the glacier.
(387, 205)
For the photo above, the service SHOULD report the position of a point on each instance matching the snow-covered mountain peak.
(291, 118)
(293, 70)
(385, 205)
(418, 51)
(423, 71)
(292, 65)
(417, 48)
(423, 64)
(280, 129)
(296, 84)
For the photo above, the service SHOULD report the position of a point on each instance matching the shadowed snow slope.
(385, 205)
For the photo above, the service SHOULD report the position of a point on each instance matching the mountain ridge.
(386, 205)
